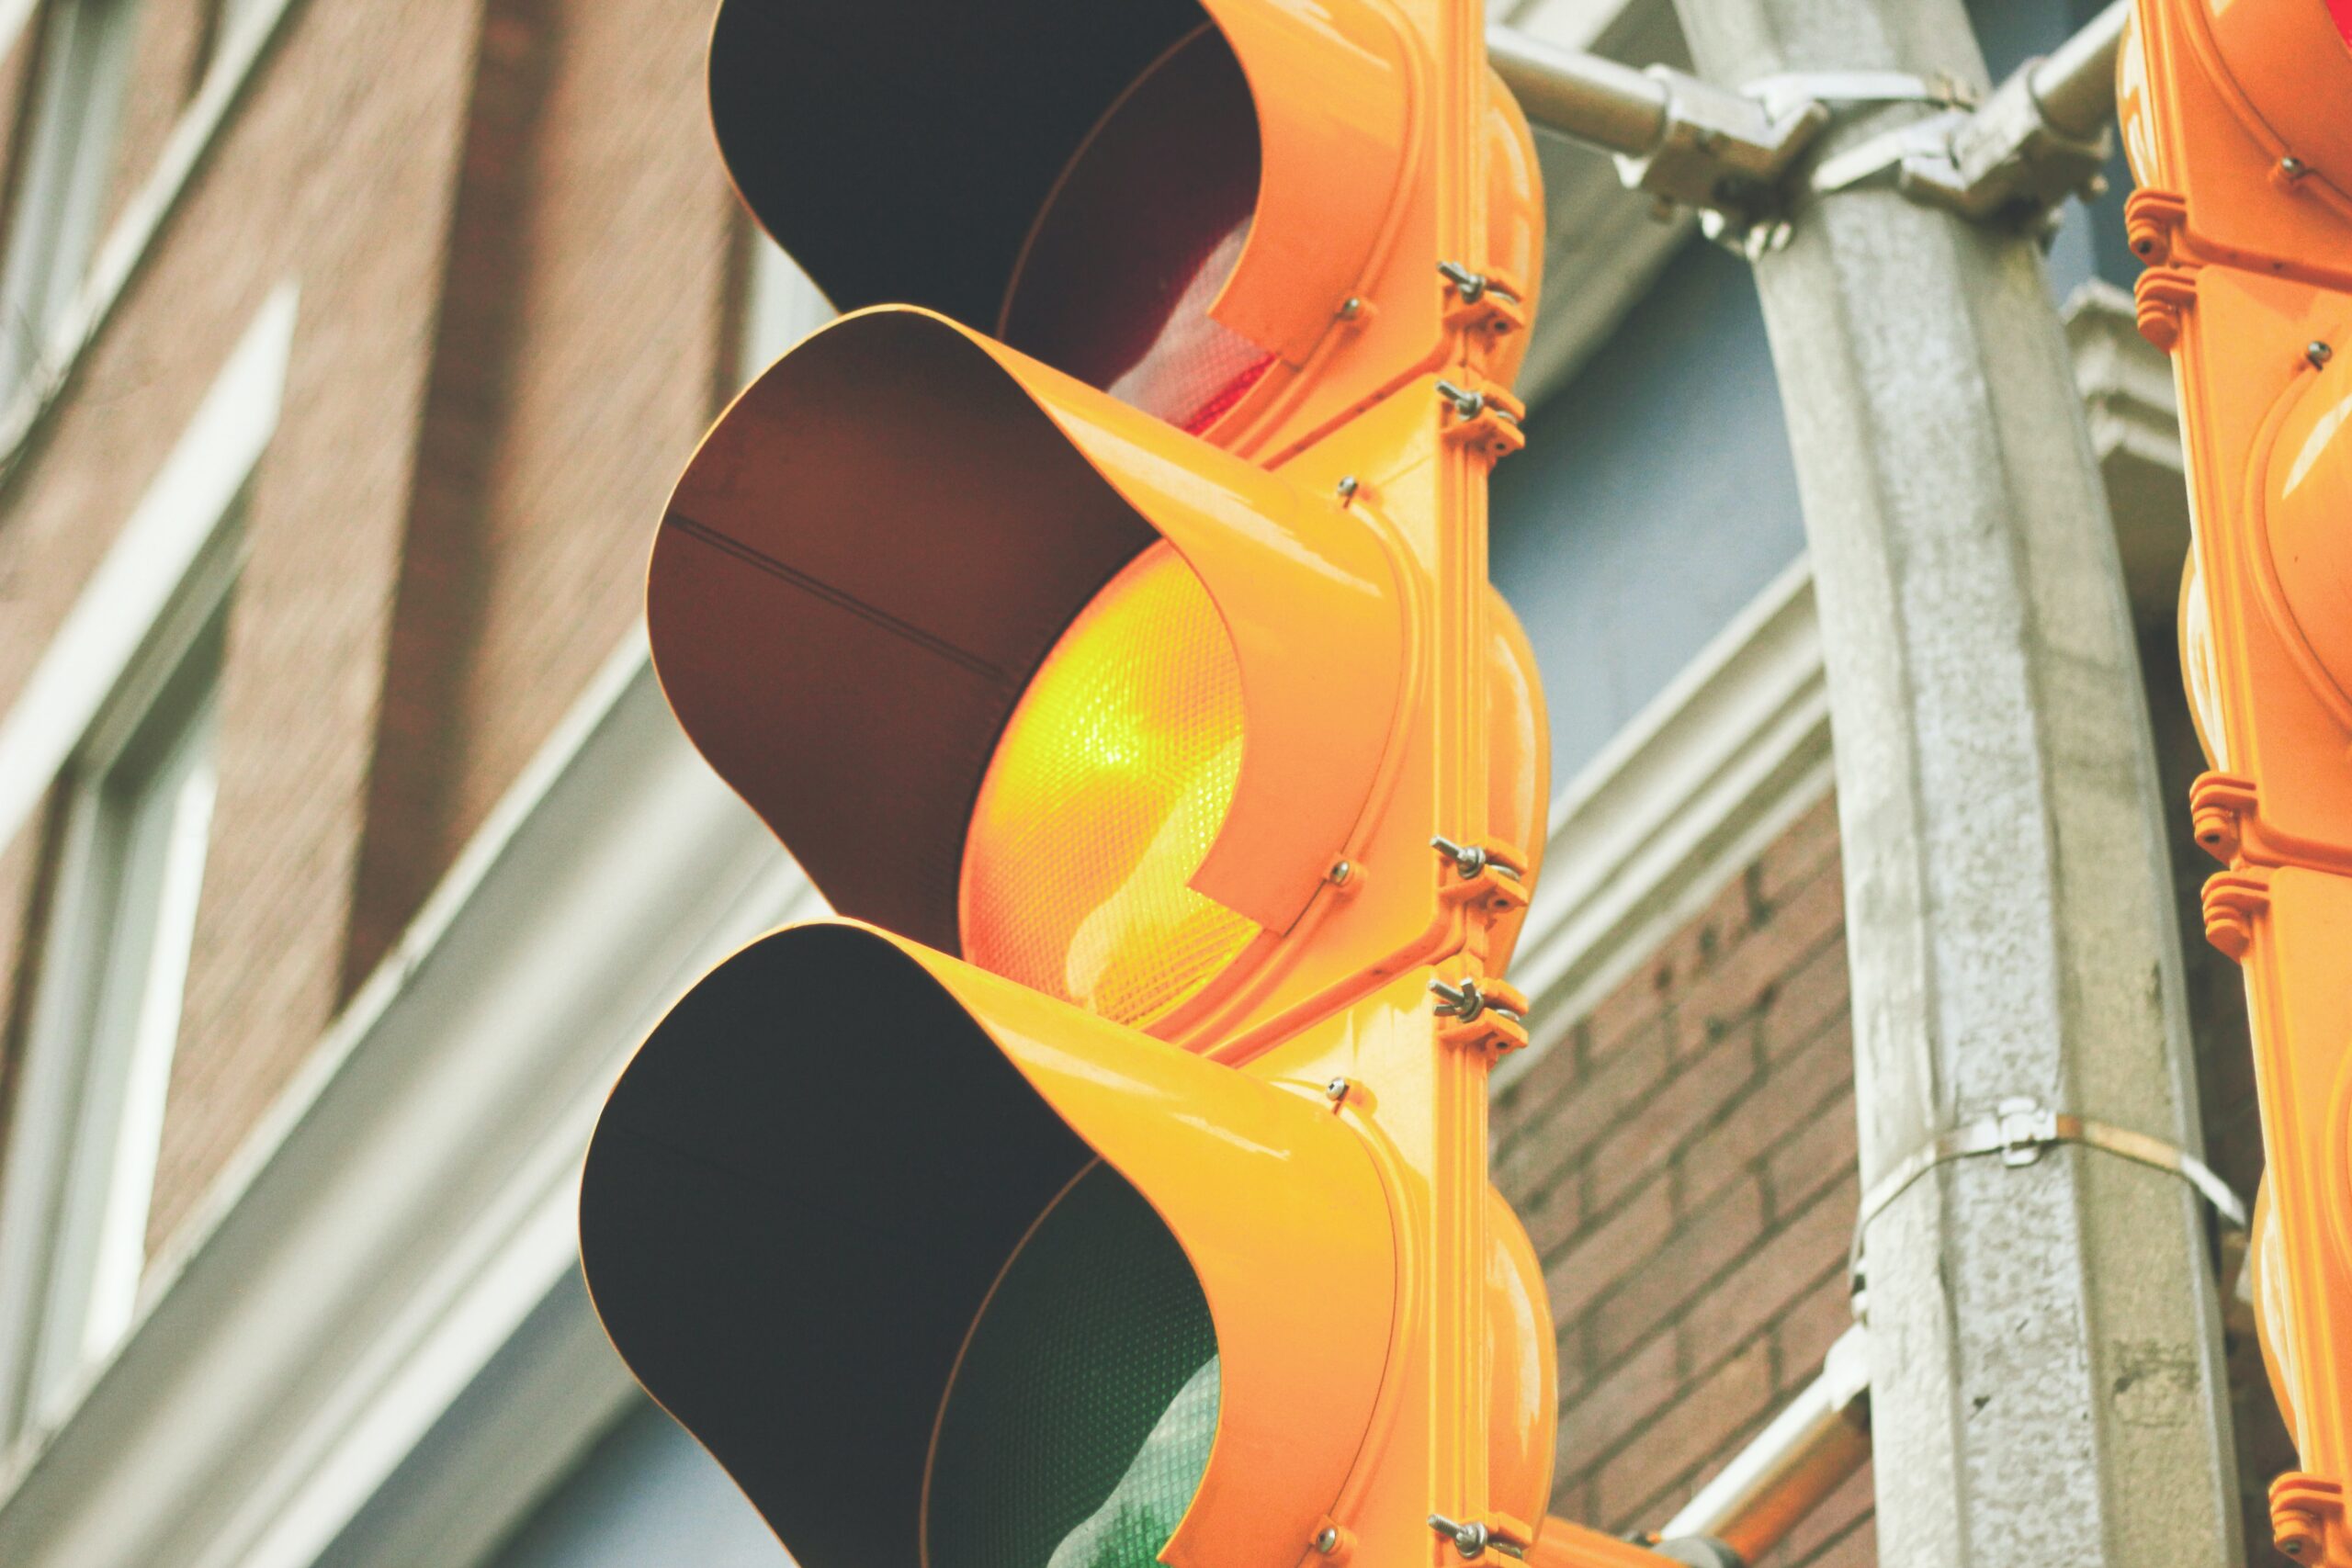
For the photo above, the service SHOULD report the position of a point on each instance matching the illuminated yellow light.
(1105, 792)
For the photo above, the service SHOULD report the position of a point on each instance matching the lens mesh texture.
(1079, 1420)
(1107, 789)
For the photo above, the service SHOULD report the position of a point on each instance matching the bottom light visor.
(951, 1275)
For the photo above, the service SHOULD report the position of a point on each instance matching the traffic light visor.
(915, 151)
(948, 1274)
(881, 551)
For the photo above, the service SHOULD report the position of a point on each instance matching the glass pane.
(169, 828)
(61, 198)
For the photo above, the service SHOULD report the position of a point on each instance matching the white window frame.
(152, 600)
(117, 939)
(80, 89)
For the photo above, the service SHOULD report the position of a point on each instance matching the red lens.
(1138, 237)
(2342, 11)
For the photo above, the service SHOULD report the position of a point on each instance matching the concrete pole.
(2046, 1375)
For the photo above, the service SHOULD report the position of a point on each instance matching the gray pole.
(2046, 1377)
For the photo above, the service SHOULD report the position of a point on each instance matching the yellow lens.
(1103, 798)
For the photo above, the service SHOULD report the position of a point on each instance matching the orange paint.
(1134, 668)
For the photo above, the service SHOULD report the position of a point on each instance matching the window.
(116, 726)
(137, 822)
(68, 160)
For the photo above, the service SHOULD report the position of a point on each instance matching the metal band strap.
(2018, 1130)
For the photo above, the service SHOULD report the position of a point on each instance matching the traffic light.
(2238, 120)
(1099, 613)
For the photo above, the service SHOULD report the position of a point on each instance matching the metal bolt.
(1464, 1002)
(1468, 858)
(1339, 873)
(2294, 168)
(1335, 1092)
(1470, 1539)
(1348, 488)
(2319, 354)
(1327, 1540)
(1351, 307)
(1467, 403)
(1471, 285)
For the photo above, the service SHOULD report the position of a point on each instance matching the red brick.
(1581, 1118)
(1812, 1000)
(1766, 1283)
(340, 169)
(1669, 1280)
(1744, 977)
(1606, 1254)
(1696, 1431)
(1655, 1131)
(1821, 1148)
(1790, 1101)
(1637, 1001)
(1821, 1312)
(1595, 1420)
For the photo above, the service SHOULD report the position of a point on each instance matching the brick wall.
(343, 169)
(585, 319)
(1683, 1157)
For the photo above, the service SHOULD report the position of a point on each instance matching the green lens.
(1078, 1424)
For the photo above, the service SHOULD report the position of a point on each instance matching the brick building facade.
(463, 281)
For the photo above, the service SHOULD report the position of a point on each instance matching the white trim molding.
(171, 529)
(407, 1204)
(134, 232)
(1689, 791)
(2127, 389)
(145, 606)
(1724, 758)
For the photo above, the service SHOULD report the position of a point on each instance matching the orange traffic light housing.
(2238, 121)
(1099, 613)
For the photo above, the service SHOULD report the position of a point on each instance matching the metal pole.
(2046, 1380)
(2075, 85)
(1580, 94)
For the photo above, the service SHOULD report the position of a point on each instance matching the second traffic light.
(2236, 119)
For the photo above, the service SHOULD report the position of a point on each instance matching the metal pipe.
(1580, 95)
(1808, 1451)
(2075, 85)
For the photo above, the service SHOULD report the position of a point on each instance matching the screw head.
(1336, 1090)
(2319, 354)
(1348, 488)
(1327, 1540)
(2294, 168)
(1351, 307)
